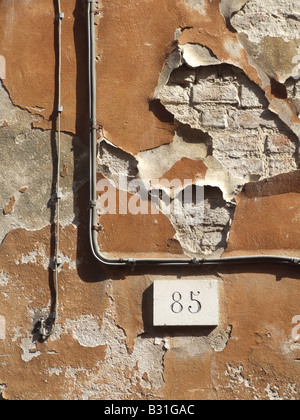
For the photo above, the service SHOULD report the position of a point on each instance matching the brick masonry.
(247, 139)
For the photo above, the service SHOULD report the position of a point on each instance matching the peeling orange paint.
(9, 208)
(267, 217)
(186, 169)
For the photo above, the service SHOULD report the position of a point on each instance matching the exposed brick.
(184, 113)
(252, 97)
(240, 167)
(218, 216)
(236, 145)
(253, 119)
(244, 119)
(175, 95)
(281, 165)
(214, 118)
(216, 93)
(279, 143)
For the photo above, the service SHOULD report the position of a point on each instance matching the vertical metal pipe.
(54, 315)
(93, 137)
(58, 191)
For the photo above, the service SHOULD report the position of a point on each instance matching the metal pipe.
(46, 331)
(195, 262)
(58, 191)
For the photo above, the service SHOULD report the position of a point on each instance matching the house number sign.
(186, 303)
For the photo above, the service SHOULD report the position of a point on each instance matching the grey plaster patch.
(86, 331)
(4, 278)
(198, 5)
(275, 18)
(20, 143)
(29, 350)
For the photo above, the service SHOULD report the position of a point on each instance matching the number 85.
(177, 307)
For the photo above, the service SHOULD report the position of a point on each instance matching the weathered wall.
(201, 90)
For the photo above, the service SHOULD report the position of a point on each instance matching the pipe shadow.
(89, 270)
(52, 201)
(54, 156)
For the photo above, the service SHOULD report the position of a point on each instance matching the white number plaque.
(186, 303)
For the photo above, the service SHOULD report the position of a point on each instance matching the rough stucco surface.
(204, 90)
